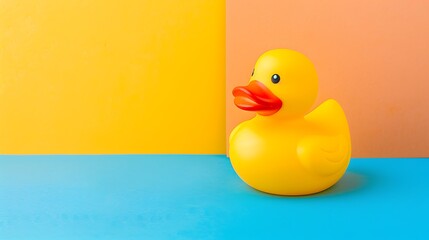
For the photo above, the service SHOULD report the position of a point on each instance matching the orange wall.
(372, 56)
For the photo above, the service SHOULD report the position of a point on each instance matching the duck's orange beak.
(256, 97)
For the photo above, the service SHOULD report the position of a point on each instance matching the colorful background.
(149, 77)
(371, 56)
(112, 76)
(92, 76)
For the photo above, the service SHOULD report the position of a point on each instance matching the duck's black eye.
(275, 78)
(253, 71)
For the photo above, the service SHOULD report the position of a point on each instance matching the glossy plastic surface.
(284, 149)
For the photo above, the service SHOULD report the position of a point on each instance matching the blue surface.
(200, 197)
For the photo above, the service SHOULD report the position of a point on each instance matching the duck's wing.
(327, 151)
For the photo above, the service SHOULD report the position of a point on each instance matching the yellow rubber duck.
(285, 150)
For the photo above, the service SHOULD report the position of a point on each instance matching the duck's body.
(289, 154)
(292, 157)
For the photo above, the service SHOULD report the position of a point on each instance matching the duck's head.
(283, 83)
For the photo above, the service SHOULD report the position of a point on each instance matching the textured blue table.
(200, 197)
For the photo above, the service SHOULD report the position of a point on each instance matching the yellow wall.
(112, 76)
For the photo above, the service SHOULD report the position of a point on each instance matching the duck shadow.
(352, 182)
